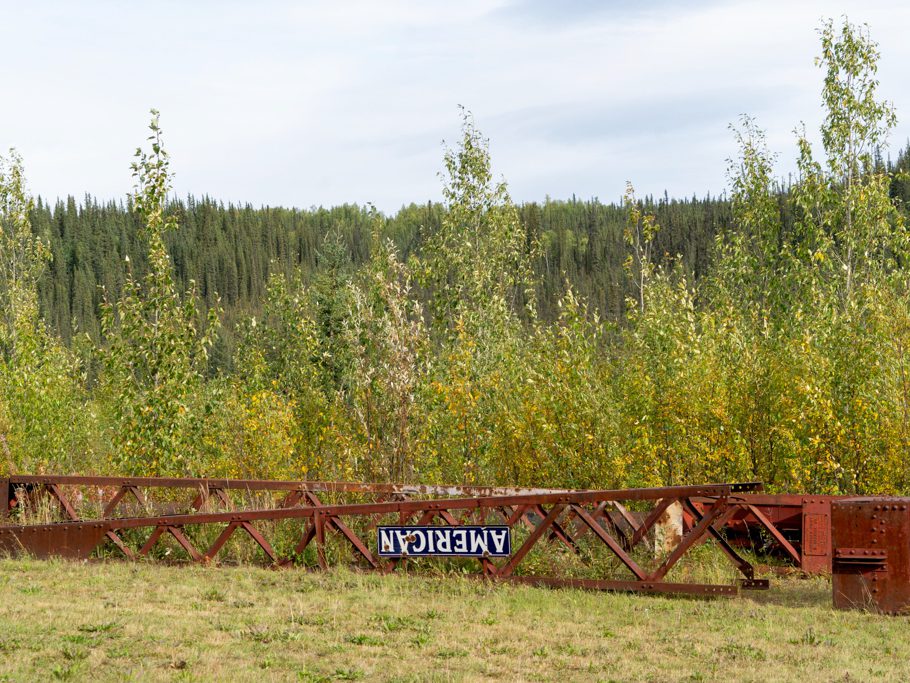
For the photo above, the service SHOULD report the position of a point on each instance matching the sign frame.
(477, 541)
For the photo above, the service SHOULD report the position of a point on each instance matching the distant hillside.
(231, 250)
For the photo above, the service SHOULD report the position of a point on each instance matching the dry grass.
(120, 621)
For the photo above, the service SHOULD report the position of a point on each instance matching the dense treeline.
(230, 252)
(761, 336)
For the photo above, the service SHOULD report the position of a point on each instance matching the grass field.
(120, 621)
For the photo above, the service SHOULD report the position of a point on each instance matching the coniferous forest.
(761, 334)
(230, 252)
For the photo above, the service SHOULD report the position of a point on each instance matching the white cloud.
(324, 102)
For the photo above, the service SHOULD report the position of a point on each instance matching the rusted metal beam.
(707, 590)
(277, 485)
(611, 522)
(71, 541)
(550, 515)
(65, 505)
(775, 533)
(696, 536)
(799, 525)
(115, 501)
(519, 555)
(744, 566)
(5, 490)
(411, 506)
(219, 542)
(650, 520)
(616, 547)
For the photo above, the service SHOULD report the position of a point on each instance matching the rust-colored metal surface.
(866, 541)
(793, 527)
(53, 540)
(816, 536)
(605, 530)
(871, 542)
(796, 528)
(81, 497)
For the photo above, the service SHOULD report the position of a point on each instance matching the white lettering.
(443, 541)
(469, 541)
(461, 541)
(386, 541)
(499, 539)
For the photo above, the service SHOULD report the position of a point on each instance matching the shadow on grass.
(794, 592)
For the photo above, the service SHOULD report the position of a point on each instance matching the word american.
(443, 541)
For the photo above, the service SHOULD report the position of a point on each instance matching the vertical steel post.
(4, 499)
(816, 537)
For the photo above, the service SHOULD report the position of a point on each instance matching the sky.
(322, 103)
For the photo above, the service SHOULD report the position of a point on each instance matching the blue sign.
(444, 541)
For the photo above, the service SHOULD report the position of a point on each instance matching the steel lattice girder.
(210, 484)
(551, 516)
(796, 525)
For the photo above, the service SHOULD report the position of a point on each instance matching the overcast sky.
(319, 103)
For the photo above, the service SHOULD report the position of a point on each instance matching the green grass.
(122, 621)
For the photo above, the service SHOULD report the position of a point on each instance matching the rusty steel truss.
(796, 528)
(601, 532)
